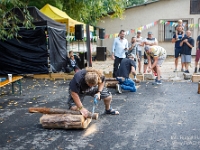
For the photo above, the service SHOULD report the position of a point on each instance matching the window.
(194, 6)
(169, 29)
(166, 28)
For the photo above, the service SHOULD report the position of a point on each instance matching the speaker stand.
(78, 45)
(101, 43)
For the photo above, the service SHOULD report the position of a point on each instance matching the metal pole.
(89, 56)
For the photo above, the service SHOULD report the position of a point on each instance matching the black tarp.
(28, 53)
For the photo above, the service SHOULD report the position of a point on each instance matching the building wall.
(141, 15)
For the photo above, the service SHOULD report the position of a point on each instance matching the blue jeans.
(127, 84)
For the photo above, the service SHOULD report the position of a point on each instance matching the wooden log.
(199, 87)
(110, 79)
(64, 121)
(111, 83)
(45, 110)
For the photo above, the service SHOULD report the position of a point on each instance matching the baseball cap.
(147, 47)
(150, 32)
(131, 55)
(138, 31)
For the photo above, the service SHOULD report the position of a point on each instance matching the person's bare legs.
(145, 68)
(186, 66)
(158, 72)
(176, 63)
(139, 66)
(107, 102)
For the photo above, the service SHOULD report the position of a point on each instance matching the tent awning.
(60, 16)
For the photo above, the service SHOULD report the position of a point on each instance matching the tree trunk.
(45, 110)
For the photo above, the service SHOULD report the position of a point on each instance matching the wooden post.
(199, 87)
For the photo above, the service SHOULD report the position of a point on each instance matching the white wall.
(141, 15)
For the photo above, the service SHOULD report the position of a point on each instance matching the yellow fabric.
(60, 16)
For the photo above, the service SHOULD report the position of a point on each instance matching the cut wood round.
(63, 121)
(45, 110)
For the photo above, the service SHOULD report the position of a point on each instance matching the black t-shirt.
(125, 67)
(198, 39)
(185, 48)
(78, 83)
(177, 43)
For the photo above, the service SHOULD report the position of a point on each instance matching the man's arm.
(76, 99)
(133, 70)
(113, 49)
(79, 104)
(155, 62)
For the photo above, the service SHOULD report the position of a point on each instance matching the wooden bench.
(15, 79)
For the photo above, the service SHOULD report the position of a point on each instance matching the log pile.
(62, 118)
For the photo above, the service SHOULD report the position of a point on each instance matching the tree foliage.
(87, 11)
(9, 21)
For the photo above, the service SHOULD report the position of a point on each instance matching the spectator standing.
(187, 43)
(139, 42)
(197, 55)
(120, 46)
(133, 49)
(149, 41)
(177, 50)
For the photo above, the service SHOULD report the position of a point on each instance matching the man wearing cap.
(159, 54)
(120, 46)
(139, 43)
(149, 41)
(127, 66)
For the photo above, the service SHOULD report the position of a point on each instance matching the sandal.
(111, 111)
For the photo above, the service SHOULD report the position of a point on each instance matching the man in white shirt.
(120, 46)
(139, 47)
(149, 41)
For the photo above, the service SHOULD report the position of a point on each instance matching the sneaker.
(186, 71)
(175, 70)
(118, 88)
(158, 82)
(195, 70)
(156, 79)
(182, 70)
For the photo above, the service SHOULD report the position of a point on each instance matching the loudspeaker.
(101, 33)
(79, 32)
(101, 53)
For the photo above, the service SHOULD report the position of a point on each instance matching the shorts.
(146, 59)
(161, 59)
(197, 55)
(91, 92)
(185, 58)
(140, 55)
(177, 52)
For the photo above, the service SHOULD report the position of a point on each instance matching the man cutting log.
(89, 82)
